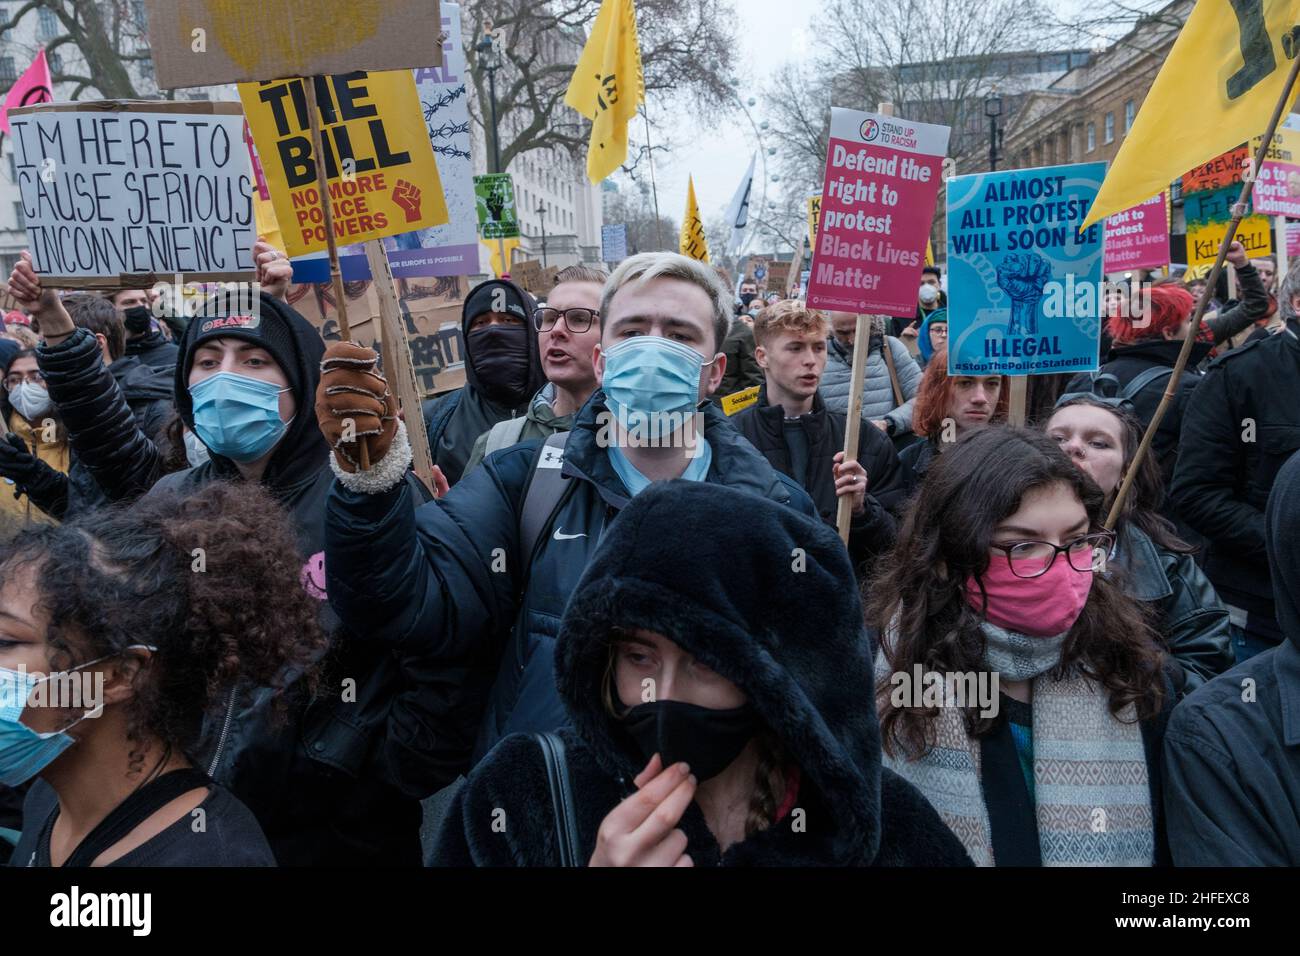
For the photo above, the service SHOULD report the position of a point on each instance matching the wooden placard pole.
(1018, 394)
(1171, 388)
(1279, 242)
(399, 368)
(327, 211)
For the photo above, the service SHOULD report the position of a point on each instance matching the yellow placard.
(814, 218)
(739, 401)
(1255, 233)
(382, 176)
(692, 242)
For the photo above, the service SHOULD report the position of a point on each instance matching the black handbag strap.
(130, 813)
(557, 775)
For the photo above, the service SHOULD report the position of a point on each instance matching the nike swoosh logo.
(561, 536)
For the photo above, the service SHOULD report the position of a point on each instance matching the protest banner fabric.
(608, 85)
(1024, 283)
(1277, 186)
(1138, 238)
(382, 176)
(210, 42)
(494, 201)
(692, 241)
(31, 89)
(1216, 89)
(124, 193)
(882, 179)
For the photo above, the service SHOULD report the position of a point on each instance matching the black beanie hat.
(485, 296)
(227, 316)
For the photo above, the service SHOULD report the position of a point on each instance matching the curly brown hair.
(210, 579)
(918, 602)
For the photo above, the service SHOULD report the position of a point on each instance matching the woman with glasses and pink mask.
(1020, 689)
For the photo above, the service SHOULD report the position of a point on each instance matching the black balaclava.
(504, 358)
(138, 319)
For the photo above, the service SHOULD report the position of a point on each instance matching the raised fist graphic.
(408, 198)
(1022, 276)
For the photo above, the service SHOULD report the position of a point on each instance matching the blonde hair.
(581, 273)
(788, 315)
(671, 265)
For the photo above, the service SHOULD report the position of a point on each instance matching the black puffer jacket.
(1188, 613)
(870, 533)
(1241, 425)
(792, 639)
(113, 415)
(452, 583)
(315, 781)
(1232, 751)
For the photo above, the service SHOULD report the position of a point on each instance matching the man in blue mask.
(494, 561)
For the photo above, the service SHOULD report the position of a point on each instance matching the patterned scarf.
(1091, 786)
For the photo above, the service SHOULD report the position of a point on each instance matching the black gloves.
(46, 487)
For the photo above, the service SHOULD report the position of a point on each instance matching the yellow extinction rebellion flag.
(1215, 91)
(693, 243)
(608, 85)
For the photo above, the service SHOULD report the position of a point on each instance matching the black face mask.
(747, 297)
(138, 319)
(708, 740)
(500, 357)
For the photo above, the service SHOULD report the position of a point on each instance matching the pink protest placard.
(882, 179)
(1277, 187)
(1138, 237)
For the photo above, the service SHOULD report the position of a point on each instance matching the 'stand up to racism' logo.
(870, 130)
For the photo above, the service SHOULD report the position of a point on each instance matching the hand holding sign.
(43, 303)
(353, 402)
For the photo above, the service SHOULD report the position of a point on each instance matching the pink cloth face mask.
(1037, 607)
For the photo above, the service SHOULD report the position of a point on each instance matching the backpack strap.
(546, 487)
(557, 776)
(504, 434)
(1153, 374)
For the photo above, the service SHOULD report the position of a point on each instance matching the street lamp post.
(541, 217)
(490, 61)
(993, 109)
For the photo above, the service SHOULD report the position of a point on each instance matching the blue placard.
(1024, 285)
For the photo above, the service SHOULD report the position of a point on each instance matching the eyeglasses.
(577, 320)
(939, 331)
(1031, 559)
(17, 378)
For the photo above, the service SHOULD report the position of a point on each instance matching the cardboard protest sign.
(452, 247)
(882, 179)
(495, 202)
(378, 162)
(1024, 283)
(122, 193)
(1138, 238)
(210, 42)
(1277, 187)
(1207, 215)
(778, 274)
(613, 243)
(756, 271)
(431, 313)
(1223, 170)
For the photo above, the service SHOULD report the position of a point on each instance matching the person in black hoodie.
(246, 386)
(143, 340)
(1232, 751)
(792, 428)
(716, 708)
(503, 371)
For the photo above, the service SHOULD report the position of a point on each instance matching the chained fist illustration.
(1022, 276)
(408, 198)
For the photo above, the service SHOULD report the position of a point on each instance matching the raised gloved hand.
(353, 402)
(17, 463)
(44, 486)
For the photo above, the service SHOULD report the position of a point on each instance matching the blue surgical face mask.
(649, 376)
(236, 416)
(23, 752)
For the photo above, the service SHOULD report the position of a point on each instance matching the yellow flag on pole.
(692, 242)
(1216, 90)
(608, 85)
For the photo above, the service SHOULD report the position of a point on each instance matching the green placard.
(494, 198)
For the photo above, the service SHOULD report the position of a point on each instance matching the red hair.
(931, 406)
(1170, 307)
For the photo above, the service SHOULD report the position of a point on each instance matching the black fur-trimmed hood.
(766, 598)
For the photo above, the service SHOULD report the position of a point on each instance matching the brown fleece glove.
(352, 390)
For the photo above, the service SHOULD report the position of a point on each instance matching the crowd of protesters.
(621, 628)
